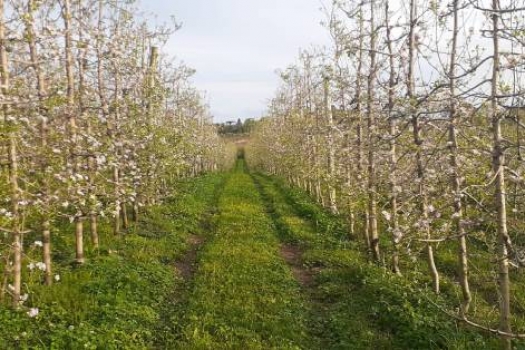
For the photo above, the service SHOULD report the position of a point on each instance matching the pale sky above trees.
(236, 46)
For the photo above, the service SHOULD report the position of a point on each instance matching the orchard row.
(410, 125)
(96, 121)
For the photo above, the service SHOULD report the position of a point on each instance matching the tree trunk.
(371, 125)
(359, 126)
(116, 192)
(135, 212)
(79, 246)
(418, 142)
(332, 194)
(74, 143)
(16, 246)
(151, 188)
(93, 225)
(455, 167)
(396, 233)
(498, 163)
(44, 182)
(124, 211)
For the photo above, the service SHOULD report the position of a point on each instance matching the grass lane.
(354, 304)
(244, 296)
(322, 243)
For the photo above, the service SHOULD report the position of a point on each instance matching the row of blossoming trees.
(95, 122)
(410, 125)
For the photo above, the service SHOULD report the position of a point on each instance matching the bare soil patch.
(186, 265)
(292, 255)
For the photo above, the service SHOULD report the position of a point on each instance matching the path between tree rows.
(269, 269)
(235, 260)
(248, 283)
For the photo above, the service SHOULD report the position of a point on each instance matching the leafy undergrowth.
(117, 299)
(244, 295)
(355, 304)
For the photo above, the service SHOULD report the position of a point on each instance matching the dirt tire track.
(292, 255)
(186, 265)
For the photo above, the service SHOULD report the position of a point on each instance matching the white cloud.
(238, 99)
(236, 46)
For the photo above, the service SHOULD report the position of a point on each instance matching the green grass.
(357, 305)
(119, 298)
(244, 296)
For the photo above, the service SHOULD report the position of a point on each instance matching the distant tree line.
(236, 128)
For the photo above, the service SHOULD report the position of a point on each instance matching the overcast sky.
(237, 45)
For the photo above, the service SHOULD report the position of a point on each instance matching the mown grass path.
(244, 294)
(353, 304)
(279, 272)
(315, 245)
(234, 261)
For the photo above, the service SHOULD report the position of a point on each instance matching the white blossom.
(6, 213)
(41, 266)
(33, 312)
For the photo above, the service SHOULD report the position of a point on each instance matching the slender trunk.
(455, 168)
(44, 182)
(135, 216)
(332, 194)
(46, 242)
(82, 60)
(73, 151)
(358, 88)
(101, 89)
(79, 243)
(359, 127)
(317, 180)
(15, 226)
(116, 192)
(396, 233)
(115, 131)
(347, 167)
(366, 233)
(371, 125)
(93, 224)
(322, 198)
(12, 153)
(152, 122)
(348, 191)
(124, 211)
(351, 221)
(93, 216)
(498, 163)
(418, 142)
(311, 162)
